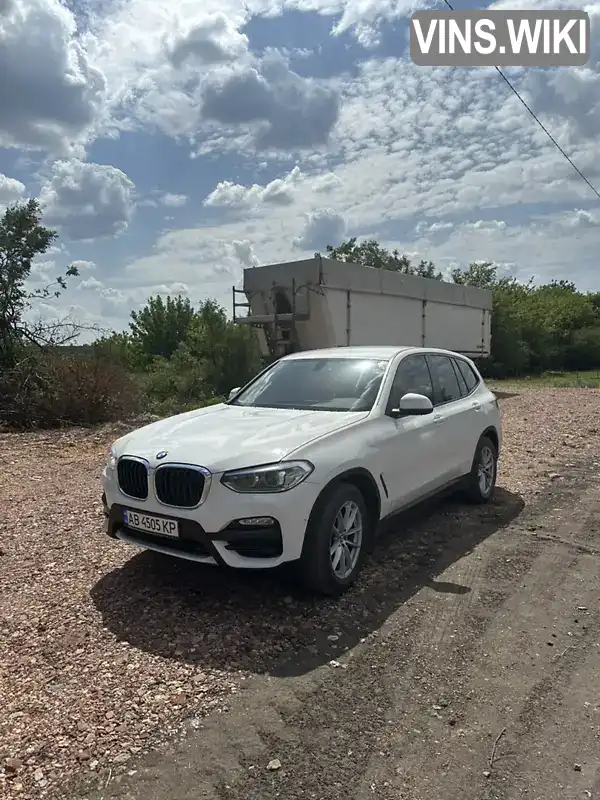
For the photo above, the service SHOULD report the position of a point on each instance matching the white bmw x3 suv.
(303, 463)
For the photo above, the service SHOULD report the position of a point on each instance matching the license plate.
(149, 524)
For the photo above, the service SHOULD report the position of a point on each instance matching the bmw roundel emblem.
(162, 454)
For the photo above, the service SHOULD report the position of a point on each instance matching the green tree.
(554, 313)
(583, 351)
(162, 325)
(228, 351)
(594, 298)
(216, 355)
(561, 309)
(510, 349)
(120, 348)
(427, 269)
(482, 274)
(22, 238)
(536, 328)
(369, 253)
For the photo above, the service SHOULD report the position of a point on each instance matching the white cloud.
(159, 62)
(406, 152)
(113, 294)
(115, 304)
(278, 192)
(172, 289)
(11, 190)
(244, 251)
(284, 111)
(487, 225)
(43, 271)
(86, 201)
(570, 97)
(208, 260)
(566, 93)
(580, 218)
(56, 249)
(90, 285)
(50, 92)
(423, 228)
(214, 40)
(295, 186)
(327, 182)
(156, 56)
(440, 226)
(186, 69)
(173, 200)
(539, 246)
(364, 16)
(168, 199)
(321, 228)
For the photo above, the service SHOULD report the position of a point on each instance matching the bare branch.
(57, 332)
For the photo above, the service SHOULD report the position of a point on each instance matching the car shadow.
(261, 622)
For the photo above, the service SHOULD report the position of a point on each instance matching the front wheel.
(481, 482)
(335, 542)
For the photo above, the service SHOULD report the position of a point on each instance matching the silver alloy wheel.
(485, 471)
(346, 539)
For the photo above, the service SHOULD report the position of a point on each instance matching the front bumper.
(209, 534)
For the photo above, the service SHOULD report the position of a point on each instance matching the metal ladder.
(279, 328)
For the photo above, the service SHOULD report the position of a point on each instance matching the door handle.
(438, 420)
(476, 406)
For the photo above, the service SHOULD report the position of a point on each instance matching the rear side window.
(466, 371)
(445, 382)
(461, 381)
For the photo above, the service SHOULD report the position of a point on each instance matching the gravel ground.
(103, 650)
(479, 680)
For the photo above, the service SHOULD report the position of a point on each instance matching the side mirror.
(412, 405)
(233, 392)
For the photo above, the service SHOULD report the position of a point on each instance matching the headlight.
(111, 458)
(268, 478)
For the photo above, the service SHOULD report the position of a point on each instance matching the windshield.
(319, 384)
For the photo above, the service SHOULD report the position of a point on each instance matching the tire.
(317, 569)
(481, 482)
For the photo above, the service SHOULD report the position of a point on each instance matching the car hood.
(223, 437)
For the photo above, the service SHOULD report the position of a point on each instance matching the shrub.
(172, 406)
(171, 387)
(46, 389)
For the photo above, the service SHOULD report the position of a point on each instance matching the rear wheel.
(335, 542)
(481, 482)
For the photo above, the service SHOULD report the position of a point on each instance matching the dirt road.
(467, 669)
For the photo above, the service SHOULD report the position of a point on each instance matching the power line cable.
(541, 124)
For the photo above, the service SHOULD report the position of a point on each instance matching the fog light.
(257, 522)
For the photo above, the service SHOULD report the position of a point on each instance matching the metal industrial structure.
(319, 302)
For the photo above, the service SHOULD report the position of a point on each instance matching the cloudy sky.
(173, 143)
